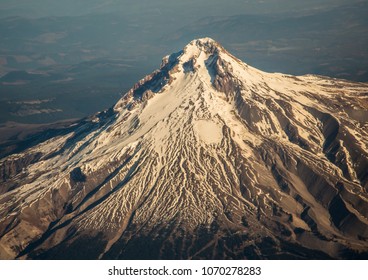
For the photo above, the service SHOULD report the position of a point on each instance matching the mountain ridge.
(206, 157)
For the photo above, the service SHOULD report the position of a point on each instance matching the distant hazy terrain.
(62, 60)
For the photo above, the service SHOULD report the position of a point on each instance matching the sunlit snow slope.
(206, 157)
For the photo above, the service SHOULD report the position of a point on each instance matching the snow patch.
(208, 131)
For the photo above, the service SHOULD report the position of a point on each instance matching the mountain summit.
(205, 158)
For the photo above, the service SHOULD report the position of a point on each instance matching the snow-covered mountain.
(206, 157)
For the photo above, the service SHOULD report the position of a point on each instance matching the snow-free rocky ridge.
(205, 158)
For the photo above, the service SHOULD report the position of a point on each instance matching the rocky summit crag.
(206, 158)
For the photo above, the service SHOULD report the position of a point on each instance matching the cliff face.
(205, 158)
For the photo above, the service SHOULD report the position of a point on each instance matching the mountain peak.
(206, 152)
(204, 42)
(203, 59)
(206, 45)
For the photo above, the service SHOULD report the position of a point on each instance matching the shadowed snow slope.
(206, 158)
